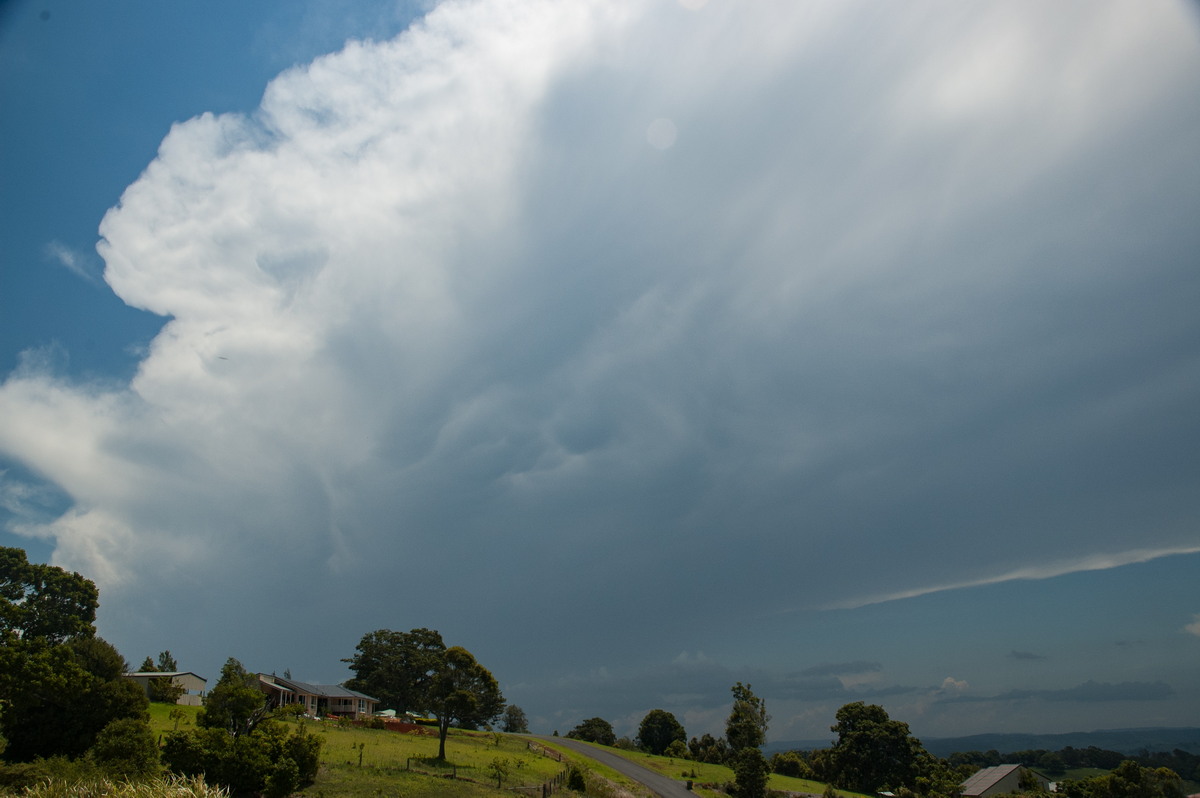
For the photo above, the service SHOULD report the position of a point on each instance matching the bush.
(126, 747)
(269, 761)
(575, 780)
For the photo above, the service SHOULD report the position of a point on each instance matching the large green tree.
(594, 730)
(462, 693)
(44, 601)
(874, 752)
(61, 685)
(747, 723)
(658, 730)
(396, 667)
(414, 671)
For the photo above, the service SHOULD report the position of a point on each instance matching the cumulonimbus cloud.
(439, 306)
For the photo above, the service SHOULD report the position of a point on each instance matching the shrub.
(268, 761)
(126, 747)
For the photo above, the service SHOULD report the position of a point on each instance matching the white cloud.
(1043, 570)
(1193, 627)
(71, 260)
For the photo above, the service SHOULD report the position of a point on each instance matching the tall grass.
(166, 787)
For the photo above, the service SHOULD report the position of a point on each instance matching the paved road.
(658, 783)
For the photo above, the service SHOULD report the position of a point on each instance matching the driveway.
(659, 784)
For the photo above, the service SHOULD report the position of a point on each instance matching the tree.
(461, 691)
(61, 684)
(747, 723)
(594, 730)
(677, 750)
(750, 773)
(658, 730)
(514, 720)
(43, 600)
(396, 667)
(147, 666)
(167, 663)
(236, 705)
(713, 750)
(874, 752)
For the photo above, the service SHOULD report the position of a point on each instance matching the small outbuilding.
(193, 685)
(1000, 780)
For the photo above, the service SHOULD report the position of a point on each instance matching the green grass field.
(357, 761)
(402, 764)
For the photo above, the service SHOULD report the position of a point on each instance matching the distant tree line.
(1055, 763)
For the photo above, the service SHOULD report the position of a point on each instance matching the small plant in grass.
(500, 769)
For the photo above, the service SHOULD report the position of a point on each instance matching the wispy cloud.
(79, 264)
(1091, 562)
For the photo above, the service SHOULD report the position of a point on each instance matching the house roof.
(326, 690)
(986, 778)
(159, 674)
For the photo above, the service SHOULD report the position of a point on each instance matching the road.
(659, 784)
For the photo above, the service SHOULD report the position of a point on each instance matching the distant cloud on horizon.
(1088, 692)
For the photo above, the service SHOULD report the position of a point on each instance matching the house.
(1000, 780)
(193, 685)
(317, 699)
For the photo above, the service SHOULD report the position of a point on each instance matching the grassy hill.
(357, 761)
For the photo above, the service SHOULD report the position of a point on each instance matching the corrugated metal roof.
(981, 781)
(326, 690)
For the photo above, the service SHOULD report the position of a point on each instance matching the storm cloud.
(513, 327)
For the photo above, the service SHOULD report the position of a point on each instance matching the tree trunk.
(443, 730)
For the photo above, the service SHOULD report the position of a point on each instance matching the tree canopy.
(236, 704)
(594, 730)
(514, 720)
(874, 752)
(61, 684)
(747, 723)
(43, 600)
(462, 693)
(415, 671)
(396, 667)
(658, 730)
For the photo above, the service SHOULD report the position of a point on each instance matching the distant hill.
(1126, 741)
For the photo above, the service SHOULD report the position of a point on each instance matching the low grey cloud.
(1088, 692)
(843, 668)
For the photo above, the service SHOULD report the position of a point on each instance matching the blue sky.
(639, 347)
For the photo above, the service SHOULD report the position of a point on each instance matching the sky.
(641, 347)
